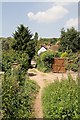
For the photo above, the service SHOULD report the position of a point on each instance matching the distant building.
(42, 49)
(54, 48)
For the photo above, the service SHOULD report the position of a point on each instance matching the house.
(54, 48)
(42, 49)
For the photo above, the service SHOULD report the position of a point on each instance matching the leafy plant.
(17, 99)
(18, 91)
(57, 54)
(60, 100)
(73, 62)
(45, 60)
(64, 54)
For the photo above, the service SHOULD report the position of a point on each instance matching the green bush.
(6, 61)
(72, 63)
(17, 99)
(74, 67)
(23, 60)
(60, 100)
(63, 55)
(10, 57)
(18, 92)
(44, 61)
(57, 54)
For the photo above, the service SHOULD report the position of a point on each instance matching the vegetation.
(44, 61)
(46, 41)
(17, 99)
(1, 79)
(10, 57)
(72, 60)
(18, 91)
(68, 44)
(24, 41)
(70, 39)
(60, 100)
(49, 40)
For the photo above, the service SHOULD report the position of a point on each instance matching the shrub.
(23, 60)
(74, 67)
(73, 62)
(57, 54)
(17, 99)
(65, 54)
(60, 100)
(18, 92)
(44, 61)
(10, 57)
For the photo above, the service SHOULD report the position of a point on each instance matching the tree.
(36, 36)
(70, 39)
(24, 41)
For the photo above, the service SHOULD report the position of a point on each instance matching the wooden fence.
(58, 65)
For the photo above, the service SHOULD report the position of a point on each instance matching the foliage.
(18, 99)
(7, 43)
(7, 59)
(44, 61)
(70, 39)
(23, 61)
(24, 41)
(74, 67)
(36, 36)
(57, 54)
(1, 79)
(64, 54)
(18, 91)
(10, 57)
(60, 100)
(48, 40)
(73, 61)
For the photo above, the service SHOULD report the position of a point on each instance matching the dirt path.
(35, 75)
(42, 80)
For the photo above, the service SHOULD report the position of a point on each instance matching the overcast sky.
(46, 18)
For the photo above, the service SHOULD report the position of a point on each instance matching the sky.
(46, 18)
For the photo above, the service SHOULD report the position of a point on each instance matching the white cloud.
(50, 15)
(73, 22)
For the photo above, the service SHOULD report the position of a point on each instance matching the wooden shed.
(58, 65)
